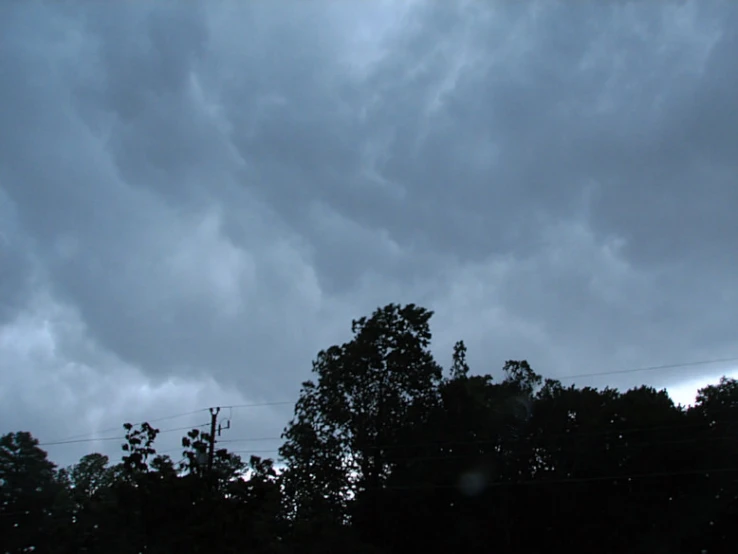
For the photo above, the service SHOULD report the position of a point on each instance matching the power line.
(571, 433)
(578, 433)
(259, 405)
(81, 438)
(75, 441)
(175, 416)
(447, 443)
(254, 451)
(166, 418)
(111, 429)
(257, 439)
(621, 437)
(574, 376)
(650, 368)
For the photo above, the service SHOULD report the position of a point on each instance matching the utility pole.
(211, 439)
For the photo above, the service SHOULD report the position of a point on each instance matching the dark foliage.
(389, 453)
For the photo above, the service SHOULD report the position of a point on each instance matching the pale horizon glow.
(685, 392)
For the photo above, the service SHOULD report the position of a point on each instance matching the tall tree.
(30, 494)
(90, 476)
(346, 421)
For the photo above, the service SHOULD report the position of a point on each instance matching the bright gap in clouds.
(685, 392)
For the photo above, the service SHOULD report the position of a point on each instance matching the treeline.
(388, 452)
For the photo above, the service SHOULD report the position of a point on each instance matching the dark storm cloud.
(216, 189)
(16, 268)
(114, 179)
(541, 113)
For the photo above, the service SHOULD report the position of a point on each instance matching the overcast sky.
(196, 197)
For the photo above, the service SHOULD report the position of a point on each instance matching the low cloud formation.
(196, 198)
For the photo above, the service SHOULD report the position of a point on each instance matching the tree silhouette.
(30, 495)
(388, 453)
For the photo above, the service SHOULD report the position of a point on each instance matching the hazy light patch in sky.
(685, 392)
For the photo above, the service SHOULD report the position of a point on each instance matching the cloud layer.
(195, 199)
